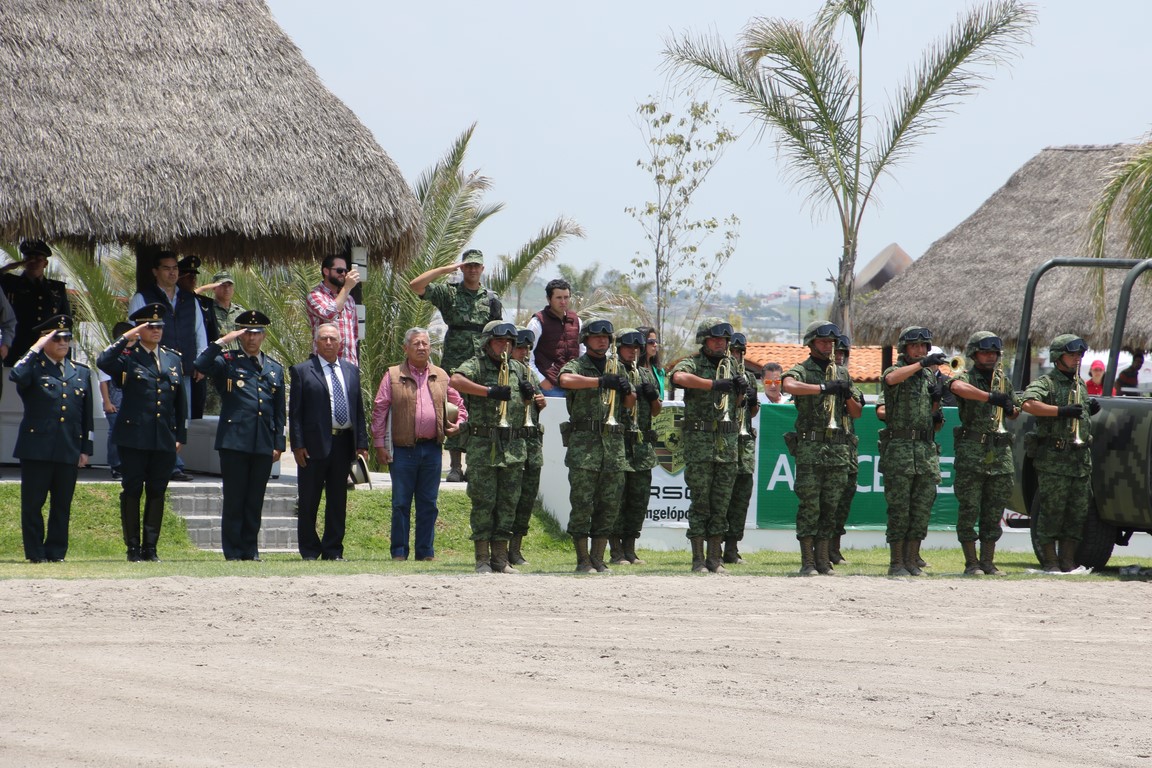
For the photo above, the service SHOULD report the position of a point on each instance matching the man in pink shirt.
(331, 302)
(409, 424)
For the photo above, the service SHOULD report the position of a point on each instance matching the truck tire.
(1099, 538)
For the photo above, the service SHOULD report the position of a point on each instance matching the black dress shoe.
(181, 476)
(55, 559)
(308, 557)
(254, 558)
(116, 475)
(35, 559)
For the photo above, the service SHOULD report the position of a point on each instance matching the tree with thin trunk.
(799, 82)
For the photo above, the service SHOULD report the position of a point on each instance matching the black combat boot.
(1067, 556)
(483, 556)
(912, 557)
(834, 555)
(596, 554)
(1048, 559)
(713, 561)
(500, 558)
(515, 557)
(630, 551)
(583, 559)
(153, 518)
(807, 557)
(896, 559)
(988, 559)
(971, 562)
(130, 523)
(732, 552)
(698, 565)
(821, 558)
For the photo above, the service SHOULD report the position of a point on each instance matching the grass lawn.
(96, 549)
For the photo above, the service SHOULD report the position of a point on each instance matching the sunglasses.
(771, 382)
(338, 270)
(652, 343)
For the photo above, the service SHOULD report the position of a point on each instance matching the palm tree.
(796, 79)
(1127, 196)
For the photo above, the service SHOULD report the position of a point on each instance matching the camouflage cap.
(472, 256)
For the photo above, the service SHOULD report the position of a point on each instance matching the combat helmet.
(630, 337)
(820, 329)
(525, 337)
(912, 334)
(499, 329)
(739, 342)
(843, 343)
(597, 327)
(983, 341)
(1064, 343)
(713, 328)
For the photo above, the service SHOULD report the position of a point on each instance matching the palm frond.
(100, 293)
(533, 255)
(1125, 202)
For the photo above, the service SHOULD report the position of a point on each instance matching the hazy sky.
(554, 87)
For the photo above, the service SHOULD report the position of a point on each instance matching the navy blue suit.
(251, 428)
(150, 423)
(55, 430)
(329, 455)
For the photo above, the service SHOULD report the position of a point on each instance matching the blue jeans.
(113, 451)
(415, 473)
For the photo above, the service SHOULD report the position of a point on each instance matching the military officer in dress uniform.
(55, 437)
(33, 297)
(150, 427)
(250, 435)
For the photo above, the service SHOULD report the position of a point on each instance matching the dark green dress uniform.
(33, 302)
(150, 424)
(55, 429)
(251, 427)
(909, 454)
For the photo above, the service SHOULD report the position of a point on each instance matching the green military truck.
(1121, 441)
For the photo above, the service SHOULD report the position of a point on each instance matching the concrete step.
(276, 533)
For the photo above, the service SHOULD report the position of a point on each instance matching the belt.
(346, 430)
(474, 327)
(906, 434)
(599, 427)
(508, 432)
(1064, 444)
(831, 437)
(723, 427)
(983, 438)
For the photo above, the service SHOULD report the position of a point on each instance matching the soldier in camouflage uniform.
(465, 307)
(821, 391)
(844, 508)
(639, 448)
(711, 420)
(534, 446)
(595, 457)
(909, 455)
(497, 452)
(1060, 403)
(984, 465)
(746, 450)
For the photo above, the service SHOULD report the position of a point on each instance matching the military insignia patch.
(669, 448)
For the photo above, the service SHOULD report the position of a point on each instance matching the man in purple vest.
(557, 331)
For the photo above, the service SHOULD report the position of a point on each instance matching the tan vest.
(403, 408)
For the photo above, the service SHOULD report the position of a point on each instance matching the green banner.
(776, 502)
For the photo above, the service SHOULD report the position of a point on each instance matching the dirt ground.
(556, 671)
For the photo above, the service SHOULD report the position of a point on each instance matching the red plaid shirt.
(322, 309)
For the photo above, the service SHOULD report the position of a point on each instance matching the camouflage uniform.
(595, 458)
(640, 452)
(711, 451)
(984, 466)
(1063, 471)
(534, 461)
(823, 457)
(742, 487)
(909, 455)
(496, 456)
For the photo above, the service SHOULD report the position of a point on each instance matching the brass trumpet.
(724, 371)
(502, 380)
(611, 368)
(1074, 399)
(635, 380)
(956, 363)
(529, 406)
(830, 400)
(745, 416)
(999, 383)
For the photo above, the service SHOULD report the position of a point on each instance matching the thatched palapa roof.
(194, 124)
(974, 277)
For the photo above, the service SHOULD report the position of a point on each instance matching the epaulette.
(80, 365)
(273, 360)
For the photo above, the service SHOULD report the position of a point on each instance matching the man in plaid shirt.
(331, 302)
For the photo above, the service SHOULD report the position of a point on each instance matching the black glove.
(526, 391)
(648, 391)
(500, 393)
(722, 385)
(615, 381)
(1000, 400)
(937, 359)
(938, 417)
(1093, 406)
(836, 387)
(739, 385)
(1074, 411)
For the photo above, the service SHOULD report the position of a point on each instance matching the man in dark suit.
(150, 427)
(250, 435)
(327, 428)
(55, 437)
